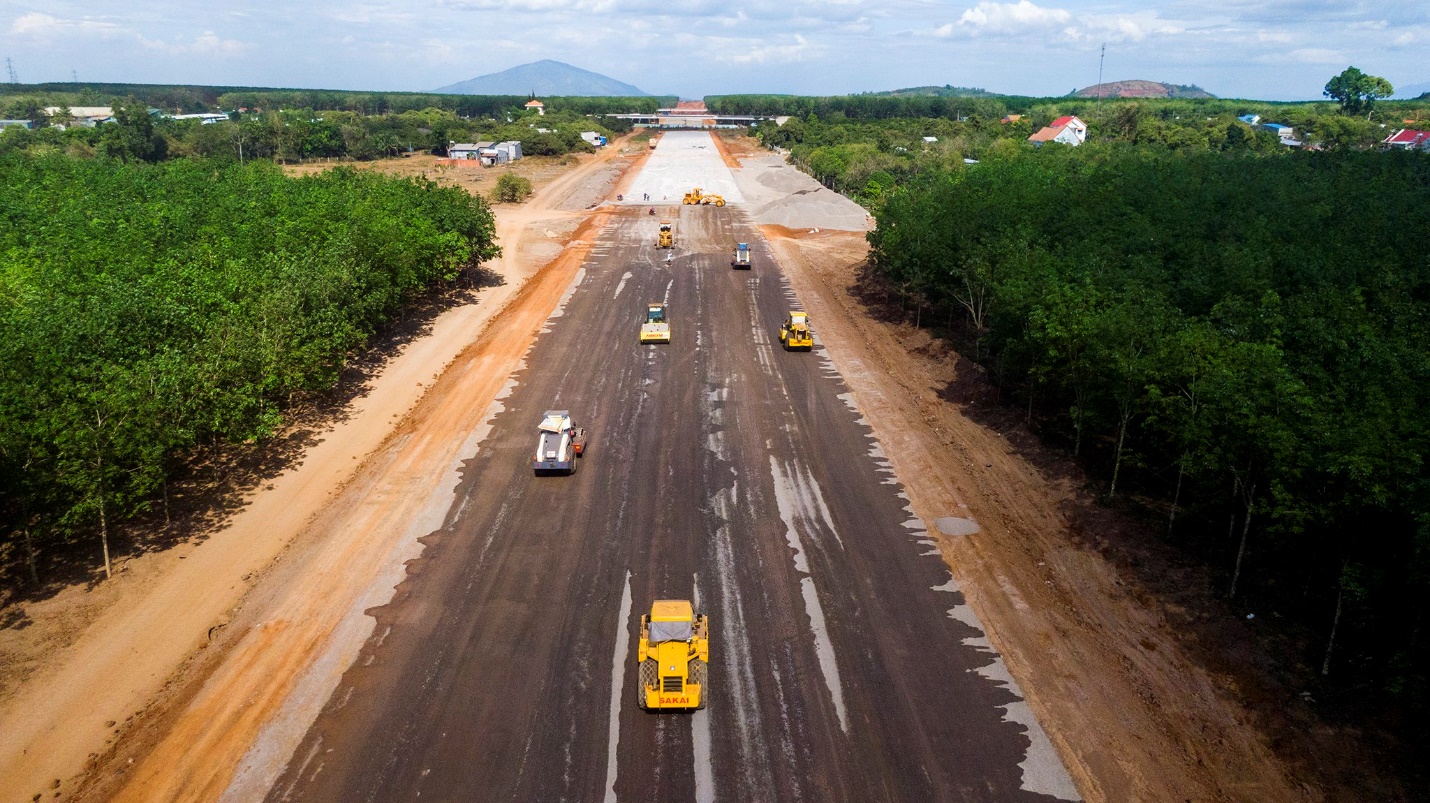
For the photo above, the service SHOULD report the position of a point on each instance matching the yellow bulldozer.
(697, 198)
(674, 656)
(667, 238)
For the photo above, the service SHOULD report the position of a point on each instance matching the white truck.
(558, 444)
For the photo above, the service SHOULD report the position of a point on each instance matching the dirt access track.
(284, 591)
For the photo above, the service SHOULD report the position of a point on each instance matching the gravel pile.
(778, 194)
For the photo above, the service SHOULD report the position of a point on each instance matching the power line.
(10, 68)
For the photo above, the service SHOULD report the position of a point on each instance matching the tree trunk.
(1177, 494)
(1335, 623)
(30, 555)
(1117, 458)
(1241, 550)
(104, 538)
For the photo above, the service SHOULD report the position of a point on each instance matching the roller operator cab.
(742, 256)
(655, 329)
(666, 239)
(795, 332)
(673, 656)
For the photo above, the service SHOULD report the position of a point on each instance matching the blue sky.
(1268, 49)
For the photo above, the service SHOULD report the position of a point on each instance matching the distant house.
(1011, 118)
(1250, 119)
(1285, 133)
(1067, 130)
(500, 153)
(466, 150)
(1408, 139)
(204, 119)
(930, 139)
(4, 124)
(84, 116)
(536, 104)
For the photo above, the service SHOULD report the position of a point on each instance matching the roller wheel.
(649, 675)
(699, 671)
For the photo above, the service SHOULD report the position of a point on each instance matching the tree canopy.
(1356, 91)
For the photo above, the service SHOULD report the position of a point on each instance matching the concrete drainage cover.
(953, 525)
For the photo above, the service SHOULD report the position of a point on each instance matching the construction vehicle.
(742, 256)
(655, 329)
(674, 656)
(696, 198)
(558, 444)
(795, 332)
(667, 237)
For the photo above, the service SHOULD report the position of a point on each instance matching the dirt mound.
(818, 208)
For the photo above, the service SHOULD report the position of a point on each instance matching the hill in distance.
(945, 91)
(546, 77)
(1143, 89)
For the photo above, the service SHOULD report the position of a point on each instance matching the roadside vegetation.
(149, 311)
(293, 126)
(1230, 334)
(1235, 344)
(864, 145)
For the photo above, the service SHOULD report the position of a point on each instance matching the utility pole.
(74, 76)
(1100, 59)
(10, 68)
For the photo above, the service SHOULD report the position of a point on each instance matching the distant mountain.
(547, 77)
(945, 91)
(1142, 89)
(1412, 91)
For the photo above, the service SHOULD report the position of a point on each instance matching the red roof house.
(1408, 139)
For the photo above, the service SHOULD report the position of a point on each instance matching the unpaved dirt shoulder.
(89, 694)
(1132, 717)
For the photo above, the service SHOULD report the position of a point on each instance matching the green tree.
(512, 188)
(1356, 91)
(131, 136)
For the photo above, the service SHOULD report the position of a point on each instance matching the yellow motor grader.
(697, 198)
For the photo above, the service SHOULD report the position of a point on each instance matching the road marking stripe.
(618, 687)
(786, 495)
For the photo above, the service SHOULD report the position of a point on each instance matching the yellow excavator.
(674, 656)
(697, 198)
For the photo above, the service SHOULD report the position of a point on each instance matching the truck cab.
(741, 260)
(673, 656)
(795, 332)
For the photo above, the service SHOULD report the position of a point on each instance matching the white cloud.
(798, 50)
(208, 43)
(1121, 27)
(1316, 55)
(44, 26)
(1007, 18)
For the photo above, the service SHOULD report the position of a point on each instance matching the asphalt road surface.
(719, 468)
